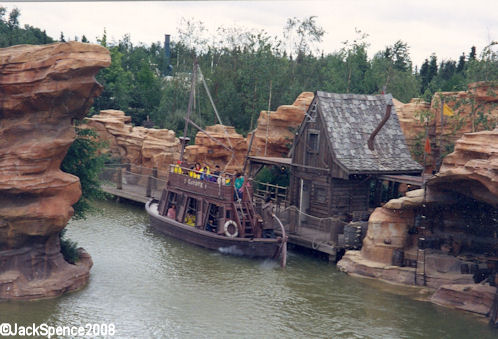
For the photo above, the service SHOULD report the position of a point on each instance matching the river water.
(151, 286)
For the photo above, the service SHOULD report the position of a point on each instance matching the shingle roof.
(350, 119)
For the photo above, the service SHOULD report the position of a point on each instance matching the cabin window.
(313, 139)
(212, 218)
(320, 194)
(172, 199)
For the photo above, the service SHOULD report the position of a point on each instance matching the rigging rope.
(268, 120)
(214, 106)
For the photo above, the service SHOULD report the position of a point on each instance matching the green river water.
(151, 286)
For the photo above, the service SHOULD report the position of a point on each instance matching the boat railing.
(188, 179)
(278, 194)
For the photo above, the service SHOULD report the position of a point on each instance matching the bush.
(69, 248)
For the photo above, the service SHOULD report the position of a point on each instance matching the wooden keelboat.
(207, 215)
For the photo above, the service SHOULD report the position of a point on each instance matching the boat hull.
(255, 248)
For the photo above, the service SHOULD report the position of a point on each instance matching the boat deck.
(138, 191)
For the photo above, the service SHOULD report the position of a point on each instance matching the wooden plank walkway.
(129, 192)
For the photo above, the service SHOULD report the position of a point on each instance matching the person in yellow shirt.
(190, 219)
(197, 170)
(178, 168)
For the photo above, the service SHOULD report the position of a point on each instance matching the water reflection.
(149, 285)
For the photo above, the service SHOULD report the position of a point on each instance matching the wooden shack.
(332, 163)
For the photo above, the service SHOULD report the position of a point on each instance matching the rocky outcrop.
(147, 147)
(459, 212)
(467, 297)
(409, 119)
(159, 148)
(208, 151)
(472, 169)
(43, 89)
(474, 110)
(275, 131)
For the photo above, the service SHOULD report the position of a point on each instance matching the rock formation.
(140, 146)
(159, 148)
(43, 89)
(474, 110)
(275, 131)
(459, 211)
(409, 119)
(471, 170)
(210, 152)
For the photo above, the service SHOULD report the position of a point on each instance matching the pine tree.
(461, 63)
(472, 55)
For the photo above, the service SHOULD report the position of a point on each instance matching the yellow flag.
(448, 111)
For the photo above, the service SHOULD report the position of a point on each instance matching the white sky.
(444, 27)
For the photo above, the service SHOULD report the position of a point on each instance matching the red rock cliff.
(43, 89)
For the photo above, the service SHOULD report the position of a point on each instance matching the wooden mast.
(189, 109)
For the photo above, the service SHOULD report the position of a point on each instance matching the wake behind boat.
(204, 212)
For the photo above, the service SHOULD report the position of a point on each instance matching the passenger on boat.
(226, 179)
(268, 214)
(172, 212)
(197, 170)
(210, 226)
(190, 219)
(217, 171)
(206, 173)
(178, 168)
(215, 177)
(239, 181)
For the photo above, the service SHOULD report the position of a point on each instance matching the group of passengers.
(189, 218)
(204, 173)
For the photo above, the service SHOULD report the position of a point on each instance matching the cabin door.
(304, 200)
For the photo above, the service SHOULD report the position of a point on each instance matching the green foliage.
(69, 248)
(12, 34)
(240, 64)
(274, 175)
(84, 161)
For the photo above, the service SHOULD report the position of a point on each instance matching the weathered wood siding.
(332, 192)
(348, 196)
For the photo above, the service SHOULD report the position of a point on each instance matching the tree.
(472, 55)
(14, 19)
(117, 84)
(308, 33)
(61, 38)
(391, 72)
(424, 76)
(354, 57)
(84, 161)
(461, 63)
(12, 34)
(486, 68)
(432, 71)
(192, 35)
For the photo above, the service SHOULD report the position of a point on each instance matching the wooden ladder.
(420, 276)
(420, 273)
(245, 214)
(244, 218)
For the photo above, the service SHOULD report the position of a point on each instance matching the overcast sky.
(444, 27)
